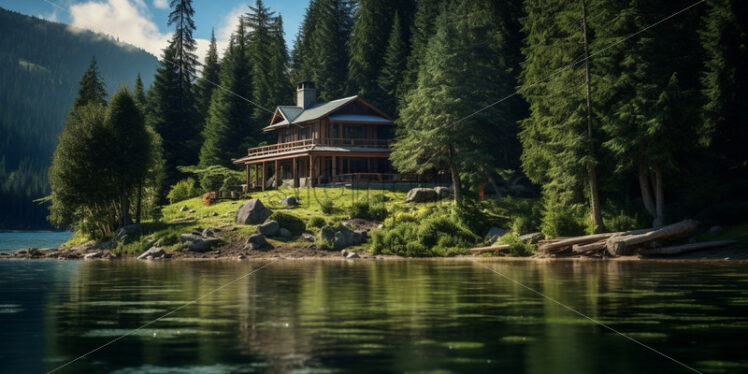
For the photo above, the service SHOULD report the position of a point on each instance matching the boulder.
(308, 237)
(153, 253)
(418, 195)
(125, 234)
(209, 232)
(353, 255)
(184, 209)
(284, 233)
(252, 212)
(290, 201)
(532, 238)
(269, 228)
(198, 243)
(341, 237)
(256, 241)
(442, 192)
(191, 211)
(494, 233)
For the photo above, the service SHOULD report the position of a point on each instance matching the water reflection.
(368, 316)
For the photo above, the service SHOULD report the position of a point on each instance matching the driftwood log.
(625, 244)
(496, 248)
(676, 249)
(566, 243)
(589, 249)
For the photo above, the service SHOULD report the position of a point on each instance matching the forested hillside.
(40, 65)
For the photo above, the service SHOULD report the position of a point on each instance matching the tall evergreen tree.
(91, 89)
(391, 77)
(724, 38)
(321, 48)
(557, 146)
(421, 31)
(228, 131)
(172, 111)
(139, 91)
(206, 84)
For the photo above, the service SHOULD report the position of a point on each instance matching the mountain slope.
(40, 65)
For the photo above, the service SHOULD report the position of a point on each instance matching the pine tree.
(724, 38)
(91, 89)
(392, 74)
(228, 131)
(206, 84)
(368, 44)
(557, 145)
(172, 110)
(139, 91)
(421, 31)
(321, 49)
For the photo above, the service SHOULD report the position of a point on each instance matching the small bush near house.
(362, 209)
(288, 221)
(407, 235)
(327, 206)
(183, 190)
(318, 222)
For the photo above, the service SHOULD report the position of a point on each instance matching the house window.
(353, 132)
(304, 133)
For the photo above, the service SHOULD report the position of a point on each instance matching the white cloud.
(52, 17)
(131, 22)
(161, 4)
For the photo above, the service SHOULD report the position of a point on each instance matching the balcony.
(307, 144)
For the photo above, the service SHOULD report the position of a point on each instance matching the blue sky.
(143, 22)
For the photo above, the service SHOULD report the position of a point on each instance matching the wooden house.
(344, 140)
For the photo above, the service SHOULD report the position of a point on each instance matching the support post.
(276, 176)
(257, 174)
(295, 168)
(334, 168)
(311, 171)
(247, 167)
(263, 176)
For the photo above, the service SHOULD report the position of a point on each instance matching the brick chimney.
(306, 95)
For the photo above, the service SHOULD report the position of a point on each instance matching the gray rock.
(341, 236)
(184, 209)
(209, 232)
(269, 228)
(153, 252)
(532, 238)
(256, 241)
(716, 229)
(307, 236)
(241, 257)
(197, 243)
(494, 233)
(192, 211)
(252, 212)
(92, 255)
(443, 192)
(290, 201)
(284, 233)
(418, 195)
(353, 255)
(125, 234)
(344, 253)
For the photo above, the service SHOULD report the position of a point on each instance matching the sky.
(143, 22)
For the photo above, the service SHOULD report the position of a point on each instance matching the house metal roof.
(358, 118)
(294, 114)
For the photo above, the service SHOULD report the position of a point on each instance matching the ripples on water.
(372, 316)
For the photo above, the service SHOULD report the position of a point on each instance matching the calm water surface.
(373, 316)
(10, 241)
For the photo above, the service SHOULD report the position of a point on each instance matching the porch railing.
(309, 143)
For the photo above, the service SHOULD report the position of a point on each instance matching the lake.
(10, 241)
(435, 316)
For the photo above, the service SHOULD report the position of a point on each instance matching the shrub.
(440, 235)
(216, 177)
(170, 239)
(516, 247)
(359, 209)
(183, 190)
(564, 219)
(379, 198)
(473, 216)
(288, 221)
(318, 222)
(378, 213)
(327, 206)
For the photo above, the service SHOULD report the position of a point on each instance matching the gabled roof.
(294, 115)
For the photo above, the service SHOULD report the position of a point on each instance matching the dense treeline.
(40, 66)
(612, 124)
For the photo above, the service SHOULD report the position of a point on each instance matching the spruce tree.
(724, 37)
(139, 91)
(172, 111)
(321, 48)
(391, 77)
(91, 89)
(368, 44)
(557, 146)
(421, 31)
(206, 84)
(228, 131)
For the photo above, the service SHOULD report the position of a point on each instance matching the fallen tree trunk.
(676, 249)
(495, 248)
(624, 244)
(552, 247)
(588, 249)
